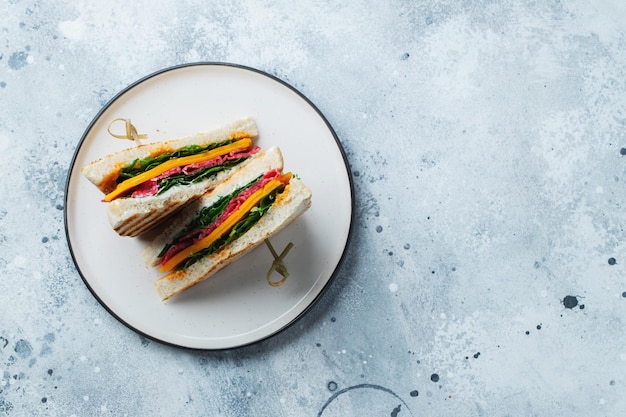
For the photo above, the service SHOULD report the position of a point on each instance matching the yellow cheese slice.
(228, 224)
(124, 186)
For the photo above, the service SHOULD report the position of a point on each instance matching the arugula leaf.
(200, 175)
(237, 231)
(207, 215)
(139, 166)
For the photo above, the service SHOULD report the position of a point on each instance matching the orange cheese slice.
(126, 185)
(228, 224)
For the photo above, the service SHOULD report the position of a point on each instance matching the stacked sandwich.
(212, 197)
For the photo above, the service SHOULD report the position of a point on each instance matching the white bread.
(291, 203)
(134, 216)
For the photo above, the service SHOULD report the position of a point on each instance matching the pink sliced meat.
(151, 187)
(233, 205)
(218, 160)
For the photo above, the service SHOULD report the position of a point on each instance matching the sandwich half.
(144, 184)
(255, 203)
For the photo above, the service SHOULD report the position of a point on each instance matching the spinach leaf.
(200, 175)
(206, 215)
(238, 230)
(139, 166)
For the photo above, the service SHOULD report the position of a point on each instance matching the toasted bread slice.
(134, 216)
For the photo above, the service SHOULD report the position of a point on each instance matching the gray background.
(486, 140)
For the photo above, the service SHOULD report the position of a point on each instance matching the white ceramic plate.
(236, 307)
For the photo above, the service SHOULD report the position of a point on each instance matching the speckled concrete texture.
(485, 275)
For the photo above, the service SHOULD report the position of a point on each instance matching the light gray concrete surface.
(486, 271)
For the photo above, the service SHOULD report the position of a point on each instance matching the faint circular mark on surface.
(365, 399)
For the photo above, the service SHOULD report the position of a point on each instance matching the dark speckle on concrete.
(145, 342)
(570, 301)
(17, 60)
(23, 348)
(5, 406)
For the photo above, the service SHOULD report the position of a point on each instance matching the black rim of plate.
(222, 64)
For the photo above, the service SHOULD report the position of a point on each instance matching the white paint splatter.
(72, 29)
(96, 369)
(18, 261)
(5, 142)
(393, 287)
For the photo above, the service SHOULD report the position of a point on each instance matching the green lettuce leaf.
(238, 230)
(207, 215)
(139, 166)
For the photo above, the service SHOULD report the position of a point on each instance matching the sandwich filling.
(228, 218)
(191, 164)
